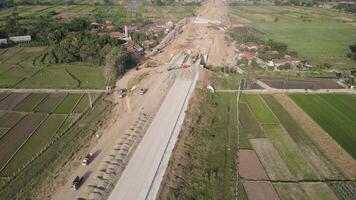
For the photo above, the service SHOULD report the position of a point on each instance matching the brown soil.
(260, 191)
(250, 167)
(336, 153)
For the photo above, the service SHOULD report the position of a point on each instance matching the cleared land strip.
(137, 177)
(52, 90)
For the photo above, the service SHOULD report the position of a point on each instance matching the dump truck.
(77, 182)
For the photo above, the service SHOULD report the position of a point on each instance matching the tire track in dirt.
(336, 153)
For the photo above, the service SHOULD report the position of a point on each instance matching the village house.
(147, 44)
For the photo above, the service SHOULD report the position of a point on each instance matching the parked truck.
(77, 182)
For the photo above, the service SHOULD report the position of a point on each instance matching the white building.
(19, 39)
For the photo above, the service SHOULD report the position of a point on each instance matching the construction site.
(147, 126)
(193, 120)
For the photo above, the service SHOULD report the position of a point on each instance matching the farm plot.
(260, 109)
(2, 113)
(3, 131)
(3, 95)
(260, 191)
(51, 102)
(344, 190)
(14, 138)
(68, 103)
(84, 102)
(345, 103)
(12, 100)
(10, 119)
(249, 123)
(290, 191)
(306, 83)
(326, 143)
(294, 159)
(250, 167)
(39, 139)
(332, 120)
(50, 77)
(318, 191)
(273, 163)
(30, 102)
(317, 158)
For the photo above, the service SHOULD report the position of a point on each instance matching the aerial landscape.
(192, 99)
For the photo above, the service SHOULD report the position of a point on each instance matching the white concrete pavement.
(138, 177)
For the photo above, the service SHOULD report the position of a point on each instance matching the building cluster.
(251, 51)
(126, 33)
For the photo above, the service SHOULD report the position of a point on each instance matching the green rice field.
(335, 114)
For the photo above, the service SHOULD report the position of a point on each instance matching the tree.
(114, 64)
(78, 24)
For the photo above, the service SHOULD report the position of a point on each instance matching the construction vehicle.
(121, 93)
(77, 182)
(194, 57)
(142, 91)
(87, 159)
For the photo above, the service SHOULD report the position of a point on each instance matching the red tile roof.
(248, 55)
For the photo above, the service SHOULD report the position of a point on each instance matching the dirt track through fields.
(336, 154)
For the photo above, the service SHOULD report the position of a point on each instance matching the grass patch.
(227, 81)
(68, 103)
(334, 122)
(260, 109)
(30, 102)
(210, 145)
